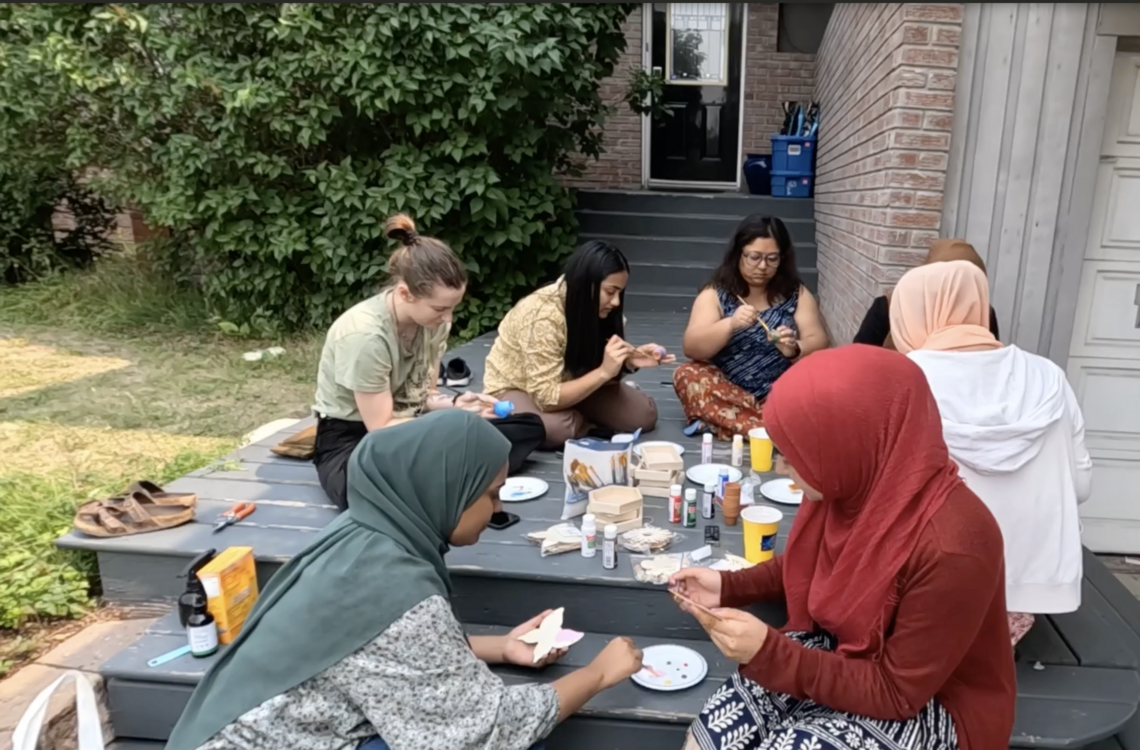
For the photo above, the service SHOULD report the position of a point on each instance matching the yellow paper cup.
(760, 526)
(760, 449)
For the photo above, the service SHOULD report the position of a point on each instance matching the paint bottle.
(201, 630)
(675, 504)
(737, 450)
(609, 548)
(690, 510)
(707, 506)
(721, 481)
(706, 449)
(589, 535)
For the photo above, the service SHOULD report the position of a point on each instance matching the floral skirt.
(741, 715)
(1019, 625)
(706, 394)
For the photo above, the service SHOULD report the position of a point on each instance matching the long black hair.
(586, 332)
(785, 282)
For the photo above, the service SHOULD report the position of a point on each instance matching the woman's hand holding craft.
(737, 634)
(650, 355)
(744, 317)
(617, 662)
(477, 403)
(787, 343)
(616, 353)
(700, 585)
(522, 654)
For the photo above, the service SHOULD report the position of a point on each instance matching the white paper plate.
(518, 489)
(780, 491)
(680, 668)
(637, 448)
(703, 474)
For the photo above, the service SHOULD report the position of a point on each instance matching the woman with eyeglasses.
(751, 321)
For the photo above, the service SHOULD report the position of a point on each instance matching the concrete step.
(146, 702)
(591, 222)
(700, 250)
(736, 205)
(669, 291)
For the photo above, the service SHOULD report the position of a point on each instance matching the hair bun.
(402, 229)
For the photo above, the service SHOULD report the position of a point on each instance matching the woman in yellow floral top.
(560, 352)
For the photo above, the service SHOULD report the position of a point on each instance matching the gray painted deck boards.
(1057, 706)
(1085, 692)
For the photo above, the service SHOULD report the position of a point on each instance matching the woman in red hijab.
(892, 577)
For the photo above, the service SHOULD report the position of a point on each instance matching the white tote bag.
(27, 733)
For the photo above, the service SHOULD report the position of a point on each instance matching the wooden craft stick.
(759, 320)
(701, 607)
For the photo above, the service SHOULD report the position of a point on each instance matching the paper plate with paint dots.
(668, 667)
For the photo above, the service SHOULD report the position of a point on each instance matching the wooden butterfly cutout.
(550, 635)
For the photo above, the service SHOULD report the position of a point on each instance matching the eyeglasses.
(772, 259)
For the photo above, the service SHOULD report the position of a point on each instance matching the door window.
(697, 44)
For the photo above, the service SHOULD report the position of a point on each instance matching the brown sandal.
(301, 445)
(159, 496)
(124, 515)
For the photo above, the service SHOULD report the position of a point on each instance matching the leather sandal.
(159, 496)
(300, 445)
(134, 513)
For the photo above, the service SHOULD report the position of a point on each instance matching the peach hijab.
(942, 306)
(942, 250)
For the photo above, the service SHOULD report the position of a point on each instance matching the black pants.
(338, 438)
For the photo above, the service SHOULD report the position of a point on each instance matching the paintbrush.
(695, 605)
(760, 320)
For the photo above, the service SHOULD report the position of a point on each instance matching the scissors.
(233, 515)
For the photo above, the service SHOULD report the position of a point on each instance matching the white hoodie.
(1013, 424)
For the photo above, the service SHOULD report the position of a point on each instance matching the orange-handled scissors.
(233, 515)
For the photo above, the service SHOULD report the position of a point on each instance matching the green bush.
(274, 139)
(35, 176)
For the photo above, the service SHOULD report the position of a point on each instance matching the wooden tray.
(615, 500)
(661, 458)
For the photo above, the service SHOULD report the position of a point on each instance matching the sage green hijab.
(407, 487)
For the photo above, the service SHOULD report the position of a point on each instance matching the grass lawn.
(105, 378)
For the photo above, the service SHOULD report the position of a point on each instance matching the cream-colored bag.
(27, 734)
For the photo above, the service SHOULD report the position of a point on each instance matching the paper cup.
(760, 526)
(760, 449)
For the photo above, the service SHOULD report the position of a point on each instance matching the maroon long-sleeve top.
(949, 638)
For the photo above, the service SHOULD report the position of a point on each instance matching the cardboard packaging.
(230, 581)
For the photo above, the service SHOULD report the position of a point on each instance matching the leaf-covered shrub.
(274, 139)
(35, 175)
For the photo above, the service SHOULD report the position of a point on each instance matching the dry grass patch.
(48, 449)
(26, 367)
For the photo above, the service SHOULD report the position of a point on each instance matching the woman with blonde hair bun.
(380, 360)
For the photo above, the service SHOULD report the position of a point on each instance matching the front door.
(1104, 356)
(697, 47)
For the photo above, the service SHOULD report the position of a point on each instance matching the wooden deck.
(1078, 682)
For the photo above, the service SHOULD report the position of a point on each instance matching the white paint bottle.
(609, 548)
(737, 450)
(589, 535)
(706, 449)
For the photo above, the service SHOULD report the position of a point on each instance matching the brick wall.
(771, 77)
(885, 82)
(619, 166)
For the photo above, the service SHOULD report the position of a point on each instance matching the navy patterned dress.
(750, 361)
(742, 715)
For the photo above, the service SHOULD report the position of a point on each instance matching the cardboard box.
(230, 581)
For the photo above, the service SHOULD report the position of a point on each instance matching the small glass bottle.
(706, 449)
(589, 535)
(609, 548)
(707, 505)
